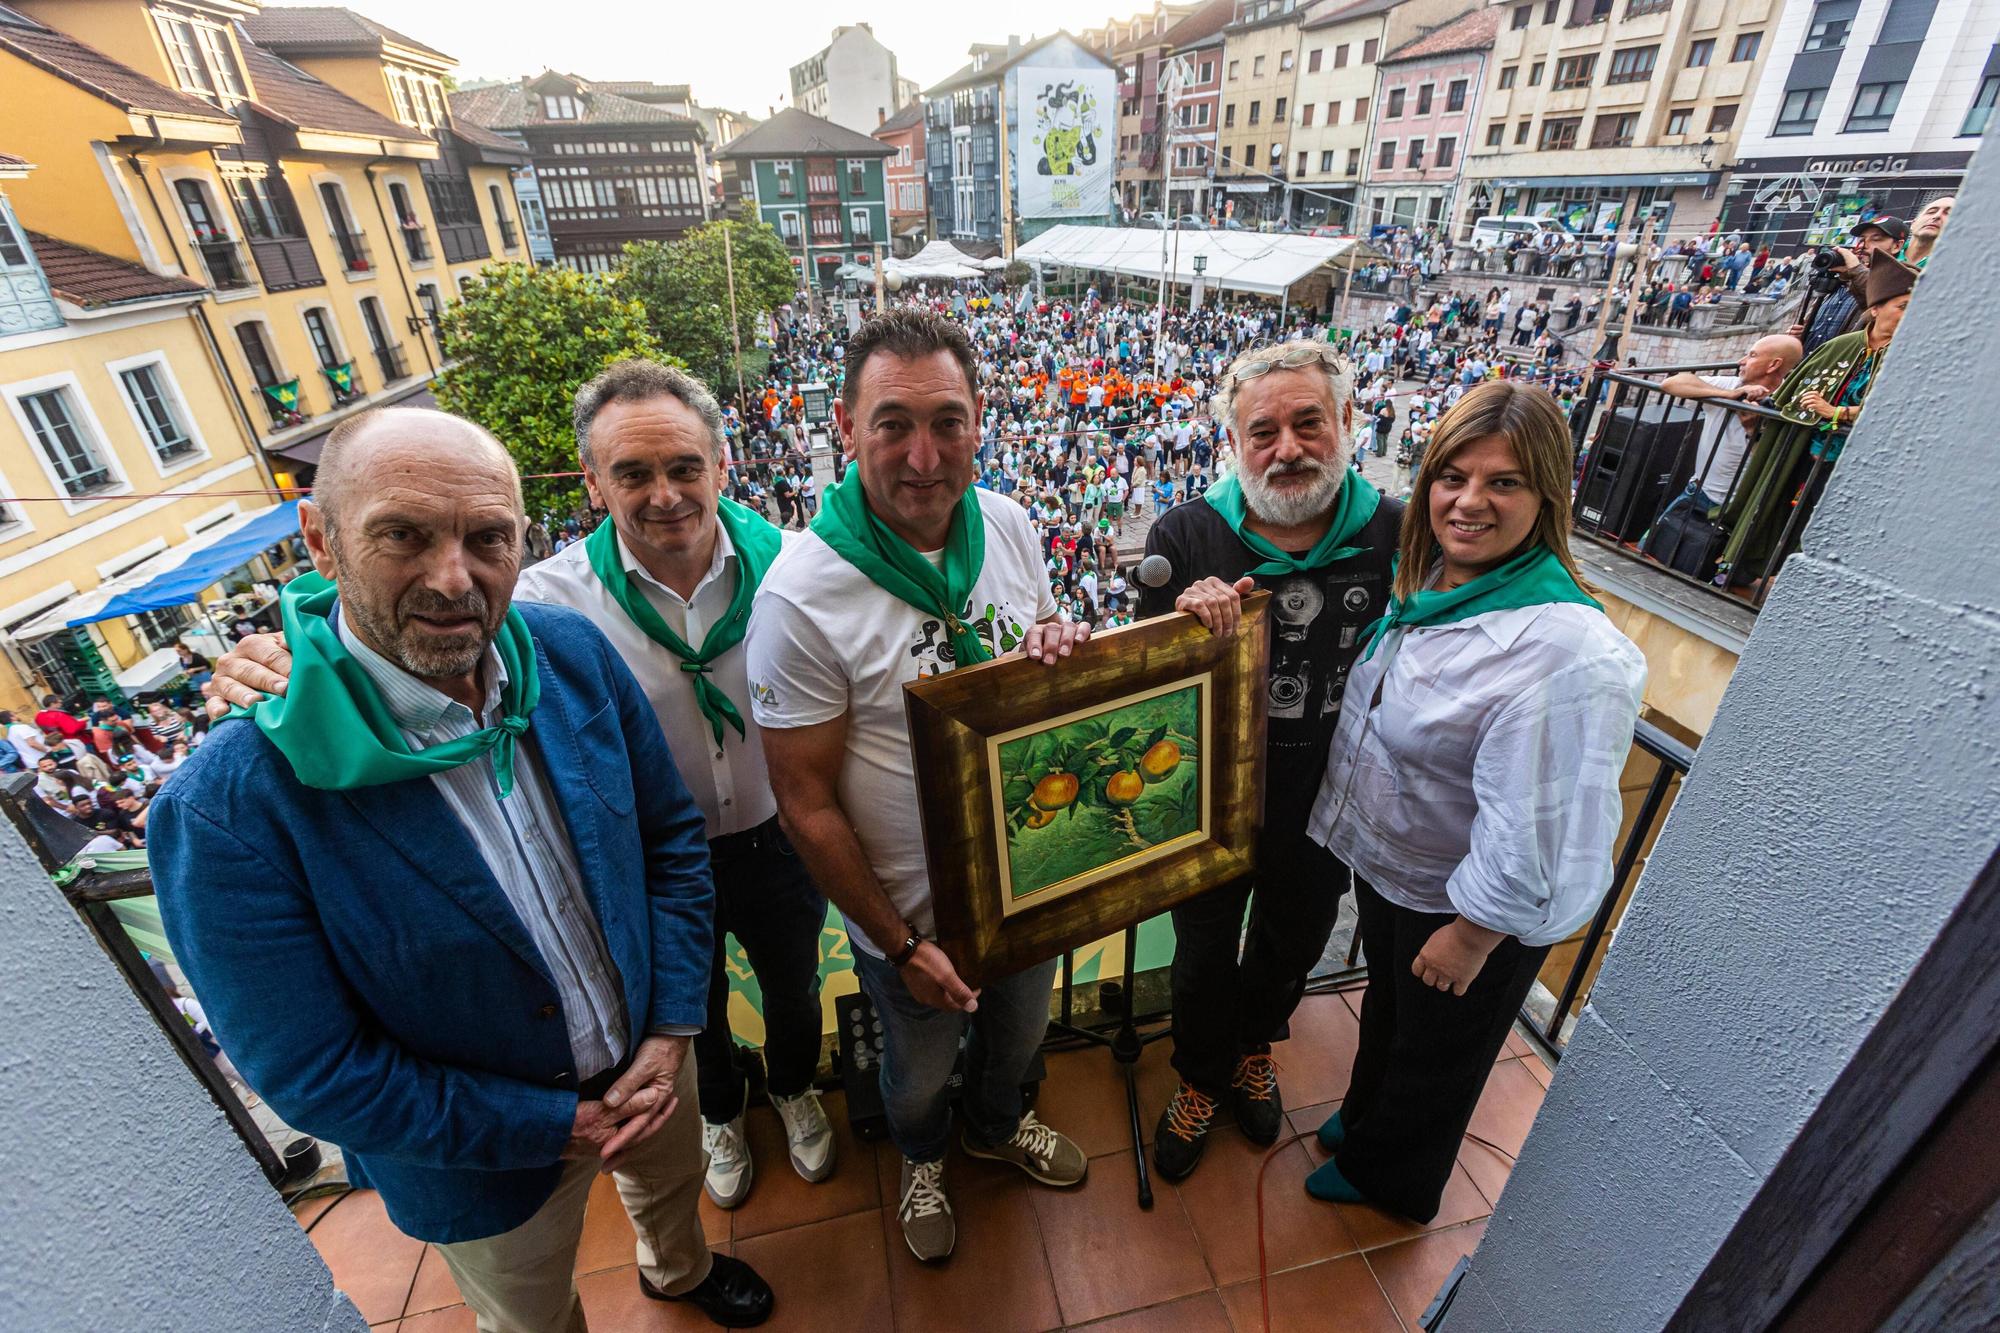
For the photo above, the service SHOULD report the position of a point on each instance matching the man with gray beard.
(1295, 519)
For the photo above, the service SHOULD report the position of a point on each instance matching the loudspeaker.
(860, 1055)
(1637, 466)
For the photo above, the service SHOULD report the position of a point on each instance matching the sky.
(736, 53)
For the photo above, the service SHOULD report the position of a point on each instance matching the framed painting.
(1062, 804)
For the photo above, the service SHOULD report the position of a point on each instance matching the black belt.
(749, 840)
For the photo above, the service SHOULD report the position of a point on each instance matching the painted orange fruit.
(1124, 787)
(1041, 818)
(1055, 792)
(1160, 761)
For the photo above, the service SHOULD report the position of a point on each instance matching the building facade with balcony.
(1598, 113)
(903, 179)
(609, 168)
(1426, 110)
(1260, 57)
(980, 138)
(1137, 47)
(851, 81)
(1195, 46)
(1863, 107)
(820, 186)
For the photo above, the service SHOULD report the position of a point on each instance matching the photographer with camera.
(1841, 274)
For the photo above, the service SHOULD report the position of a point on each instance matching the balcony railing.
(1658, 469)
(282, 417)
(223, 258)
(86, 483)
(352, 247)
(510, 236)
(392, 363)
(415, 244)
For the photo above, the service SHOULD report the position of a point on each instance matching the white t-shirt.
(825, 640)
(28, 741)
(1719, 457)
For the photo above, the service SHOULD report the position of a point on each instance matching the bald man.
(447, 901)
(1725, 435)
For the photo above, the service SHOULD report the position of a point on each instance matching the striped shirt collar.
(418, 708)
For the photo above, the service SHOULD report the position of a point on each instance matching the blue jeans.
(920, 1046)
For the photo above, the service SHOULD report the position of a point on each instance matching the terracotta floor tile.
(1517, 1045)
(1508, 1105)
(1221, 1203)
(608, 1240)
(1191, 1314)
(435, 1289)
(612, 1302)
(996, 1281)
(1351, 997)
(1411, 1272)
(827, 1275)
(1084, 1096)
(308, 1210)
(1308, 1119)
(1106, 1254)
(1338, 1294)
(780, 1198)
(1535, 1066)
(1462, 1202)
(371, 1261)
(1313, 1066)
(454, 1319)
(1488, 1169)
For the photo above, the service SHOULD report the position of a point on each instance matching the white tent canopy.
(939, 259)
(1268, 263)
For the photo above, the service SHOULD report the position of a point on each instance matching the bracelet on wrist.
(911, 943)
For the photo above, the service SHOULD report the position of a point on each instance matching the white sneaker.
(810, 1135)
(729, 1173)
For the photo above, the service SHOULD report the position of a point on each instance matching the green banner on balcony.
(285, 395)
(341, 377)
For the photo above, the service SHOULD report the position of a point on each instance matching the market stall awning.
(938, 260)
(175, 576)
(1268, 263)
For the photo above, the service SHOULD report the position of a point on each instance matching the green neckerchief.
(756, 543)
(850, 527)
(1533, 578)
(336, 731)
(1352, 509)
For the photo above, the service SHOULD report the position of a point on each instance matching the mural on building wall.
(1070, 154)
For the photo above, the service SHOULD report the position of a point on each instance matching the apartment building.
(1137, 46)
(1863, 107)
(1195, 45)
(820, 185)
(903, 177)
(851, 81)
(1600, 112)
(1426, 111)
(1259, 82)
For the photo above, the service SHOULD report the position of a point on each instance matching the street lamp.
(1200, 267)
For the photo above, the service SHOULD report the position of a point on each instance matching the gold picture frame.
(1061, 804)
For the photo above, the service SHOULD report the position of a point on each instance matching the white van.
(1491, 233)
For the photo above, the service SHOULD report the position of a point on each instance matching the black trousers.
(765, 898)
(1424, 1056)
(1225, 1007)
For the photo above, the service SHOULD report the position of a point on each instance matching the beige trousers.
(523, 1281)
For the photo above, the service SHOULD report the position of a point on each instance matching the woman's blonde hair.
(1529, 420)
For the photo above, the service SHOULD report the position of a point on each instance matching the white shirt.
(1719, 455)
(28, 740)
(825, 640)
(728, 781)
(1485, 780)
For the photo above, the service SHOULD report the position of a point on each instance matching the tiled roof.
(1199, 26)
(509, 106)
(485, 138)
(324, 28)
(9, 160)
(288, 93)
(637, 88)
(902, 120)
(1343, 11)
(999, 64)
(1470, 31)
(793, 131)
(93, 280)
(96, 73)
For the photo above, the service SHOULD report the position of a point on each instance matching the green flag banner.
(341, 377)
(285, 395)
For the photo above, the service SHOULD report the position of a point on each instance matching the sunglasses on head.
(1292, 360)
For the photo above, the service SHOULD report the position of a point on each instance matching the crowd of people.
(102, 767)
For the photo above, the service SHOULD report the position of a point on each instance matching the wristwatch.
(909, 946)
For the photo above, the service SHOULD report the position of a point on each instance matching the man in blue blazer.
(446, 900)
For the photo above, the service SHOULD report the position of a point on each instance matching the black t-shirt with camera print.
(1317, 625)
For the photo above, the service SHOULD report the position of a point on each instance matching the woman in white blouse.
(1472, 785)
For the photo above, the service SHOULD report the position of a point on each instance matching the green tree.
(684, 286)
(517, 346)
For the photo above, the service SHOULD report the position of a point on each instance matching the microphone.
(1155, 571)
